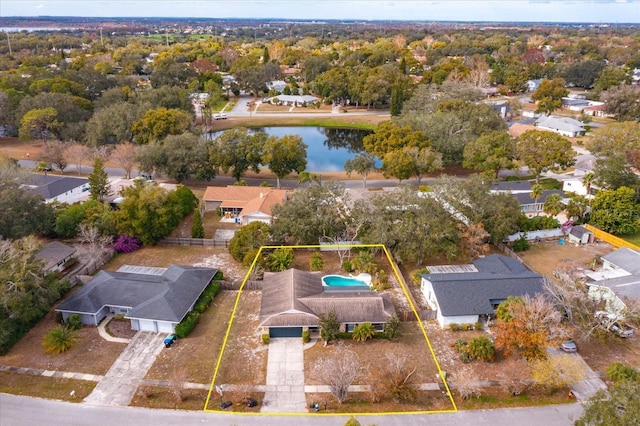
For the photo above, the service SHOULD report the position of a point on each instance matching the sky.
(592, 11)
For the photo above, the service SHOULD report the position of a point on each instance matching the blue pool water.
(339, 281)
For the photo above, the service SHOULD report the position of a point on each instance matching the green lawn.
(633, 239)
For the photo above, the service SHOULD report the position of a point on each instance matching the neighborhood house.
(467, 294)
(244, 204)
(154, 299)
(55, 256)
(293, 301)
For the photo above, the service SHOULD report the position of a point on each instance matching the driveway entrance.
(284, 392)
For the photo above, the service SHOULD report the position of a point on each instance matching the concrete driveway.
(126, 373)
(284, 392)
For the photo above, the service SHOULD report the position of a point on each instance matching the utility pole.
(101, 40)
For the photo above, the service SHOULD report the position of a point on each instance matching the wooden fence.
(611, 239)
(207, 242)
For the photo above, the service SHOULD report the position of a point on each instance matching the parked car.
(221, 116)
(622, 330)
(569, 346)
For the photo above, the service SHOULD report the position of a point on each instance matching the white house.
(63, 189)
(564, 126)
(471, 295)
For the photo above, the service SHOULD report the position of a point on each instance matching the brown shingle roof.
(296, 298)
(251, 198)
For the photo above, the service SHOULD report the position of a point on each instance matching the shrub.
(466, 357)
(415, 275)
(74, 322)
(482, 348)
(346, 265)
(392, 328)
(381, 281)
(266, 338)
(363, 332)
(249, 257)
(460, 345)
(619, 372)
(352, 422)
(315, 262)
(59, 340)
(521, 244)
(280, 260)
(125, 244)
(218, 276)
(187, 325)
(306, 336)
(206, 297)
(197, 229)
(454, 327)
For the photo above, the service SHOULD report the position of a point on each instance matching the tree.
(583, 73)
(363, 332)
(615, 211)
(249, 237)
(157, 124)
(621, 101)
(617, 139)
(22, 212)
(619, 405)
(392, 328)
(99, 186)
(526, 326)
(238, 151)
(77, 154)
(124, 154)
(280, 260)
(395, 377)
(39, 121)
(59, 340)
(339, 371)
(490, 153)
(587, 180)
(610, 77)
(197, 230)
(549, 95)
(577, 207)
(179, 156)
(557, 371)
(329, 327)
(614, 171)
(95, 245)
(54, 153)
(542, 151)
(411, 161)
(388, 137)
(151, 212)
(363, 163)
(113, 123)
(553, 204)
(475, 239)
(285, 155)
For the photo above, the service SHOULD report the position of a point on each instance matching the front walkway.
(121, 381)
(106, 336)
(284, 392)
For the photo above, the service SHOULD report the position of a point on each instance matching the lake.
(327, 148)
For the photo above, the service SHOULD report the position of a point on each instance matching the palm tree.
(587, 180)
(364, 332)
(59, 340)
(553, 204)
(536, 193)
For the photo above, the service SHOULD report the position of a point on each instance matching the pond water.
(327, 148)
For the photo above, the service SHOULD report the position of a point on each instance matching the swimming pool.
(361, 280)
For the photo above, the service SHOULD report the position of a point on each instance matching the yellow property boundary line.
(315, 414)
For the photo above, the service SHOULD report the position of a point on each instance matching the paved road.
(25, 411)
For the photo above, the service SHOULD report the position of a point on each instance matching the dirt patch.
(163, 397)
(91, 355)
(120, 327)
(45, 387)
(546, 257)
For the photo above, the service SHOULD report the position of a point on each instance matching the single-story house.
(533, 85)
(154, 299)
(245, 203)
(293, 301)
(618, 279)
(530, 206)
(63, 189)
(472, 295)
(564, 126)
(55, 255)
(580, 235)
(292, 100)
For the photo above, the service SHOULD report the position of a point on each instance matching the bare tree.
(177, 382)
(77, 154)
(467, 384)
(339, 371)
(396, 377)
(125, 155)
(93, 244)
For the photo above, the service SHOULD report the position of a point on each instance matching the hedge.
(189, 322)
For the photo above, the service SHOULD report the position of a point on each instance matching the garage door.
(285, 332)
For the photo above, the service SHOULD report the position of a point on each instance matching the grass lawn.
(45, 387)
(633, 239)
(499, 397)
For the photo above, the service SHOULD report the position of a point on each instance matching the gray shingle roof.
(473, 293)
(566, 124)
(625, 258)
(166, 297)
(296, 298)
(54, 252)
(514, 185)
(525, 198)
(50, 186)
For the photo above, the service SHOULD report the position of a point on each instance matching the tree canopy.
(541, 151)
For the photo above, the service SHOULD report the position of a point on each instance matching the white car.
(221, 116)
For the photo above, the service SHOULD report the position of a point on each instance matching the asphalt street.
(26, 411)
